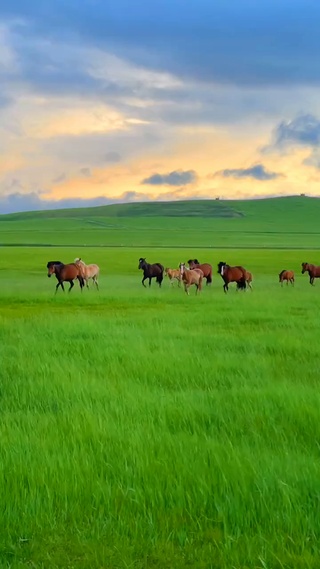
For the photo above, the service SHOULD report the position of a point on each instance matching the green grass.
(270, 223)
(147, 429)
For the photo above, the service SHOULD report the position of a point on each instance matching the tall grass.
(143, 428)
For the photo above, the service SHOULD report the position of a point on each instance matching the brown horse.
(204, 267)
(314, 272)
(151, 271)
(232, 274)
(249, 279)
(65, 273)
(286, 276)
(173, 274)
(191, 277)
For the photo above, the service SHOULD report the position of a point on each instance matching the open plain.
(143, 428)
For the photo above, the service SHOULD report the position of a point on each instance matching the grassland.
(145, 429)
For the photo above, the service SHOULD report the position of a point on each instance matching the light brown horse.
(65, 273)
(191, 277)
(313, 270)
(173, 274)
(88, 272)
(249, 279)
(232, 274)
(204, 267)
(286, 276)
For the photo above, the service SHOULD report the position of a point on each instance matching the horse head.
(221, 267)
(305, 267)
(192, 263)
(182, 268)
(51, 269)
(142, 263)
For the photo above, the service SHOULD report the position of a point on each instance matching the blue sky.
(124, 101)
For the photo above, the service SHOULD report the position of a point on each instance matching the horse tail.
(242, 283)
(209, 277)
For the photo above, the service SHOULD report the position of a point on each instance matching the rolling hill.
(275, 222)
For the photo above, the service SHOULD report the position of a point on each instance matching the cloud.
(19, 202)
(86, 172)
(241, 43)
(112, 157)
(61, 178)
(257, 172)
(176, 178)
(304, 130)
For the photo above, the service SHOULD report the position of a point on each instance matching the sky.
(105, 101)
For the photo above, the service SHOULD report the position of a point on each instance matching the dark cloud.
(258, 172)
(176, 178)
(244, 43)
(18, 202)
(304, 130)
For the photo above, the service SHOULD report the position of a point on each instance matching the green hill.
(277, 222)
(194, 208)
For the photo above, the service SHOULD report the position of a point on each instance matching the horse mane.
(284, 270)
(50, 263)
(195, 261)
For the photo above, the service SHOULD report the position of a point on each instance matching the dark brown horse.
(232, 274)
(314, 272)
(286, 276)
(151, 271)
(204, 267)
(65, 273)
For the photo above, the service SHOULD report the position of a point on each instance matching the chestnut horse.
(191, 277)
(286, 276)
(88, 272)
(65, 273)
(173, 274)
(249, 279)
(232, 274)
(151, 271)
(204, 267)
(314, 272)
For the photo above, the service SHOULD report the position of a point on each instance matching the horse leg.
(95, 280)
(311, 281)
(71, 285)
(57, 286)
(144, 278)
(150, 281)
(186, 288)
(225, 287)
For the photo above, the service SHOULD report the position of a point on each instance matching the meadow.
(143, 428)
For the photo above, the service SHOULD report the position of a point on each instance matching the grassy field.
(146, 429)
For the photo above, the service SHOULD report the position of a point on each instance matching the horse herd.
(189, 276)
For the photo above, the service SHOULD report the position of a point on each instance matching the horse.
(204, 267)
(286, 276)
(191, 277)
(314, 272)
(65, 273)
(88, 272)
(232, 274)
(173, 274)
(249, 279)
(151, 271)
